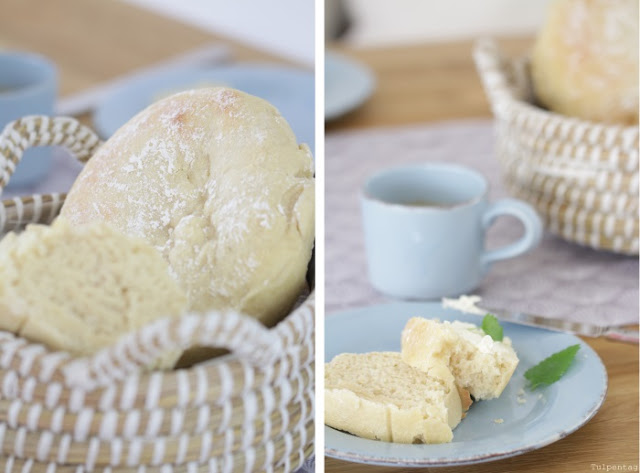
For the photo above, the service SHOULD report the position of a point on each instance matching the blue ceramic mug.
(425, 226)
(28, 85)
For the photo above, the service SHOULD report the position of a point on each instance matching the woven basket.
(581, 176)
(245, 412)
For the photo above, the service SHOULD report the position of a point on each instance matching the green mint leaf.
(552, 368)
(492, 327)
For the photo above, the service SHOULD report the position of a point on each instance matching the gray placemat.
(558, 279)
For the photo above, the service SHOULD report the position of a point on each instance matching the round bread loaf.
(585, 60)
(215, 180)
(79, 289)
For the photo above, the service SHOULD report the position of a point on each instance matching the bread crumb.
(464, 303)
(498, 421)
(521, 400)
(521, 392)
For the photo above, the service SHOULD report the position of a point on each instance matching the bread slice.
(79, 289)
(479, 364)
(378, 396)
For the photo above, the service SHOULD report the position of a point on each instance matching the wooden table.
(421, 83)
(92, 41)
(424, 83)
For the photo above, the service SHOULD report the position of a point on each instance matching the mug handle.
(532, 229)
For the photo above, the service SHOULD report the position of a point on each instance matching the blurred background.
(380, 22)
(283, 27)
(397, 63)
(103, 61)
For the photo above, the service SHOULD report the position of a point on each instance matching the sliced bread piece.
(378, 396)
(479, 364)
(80, 288)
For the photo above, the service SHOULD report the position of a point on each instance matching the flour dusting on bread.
(216, 181)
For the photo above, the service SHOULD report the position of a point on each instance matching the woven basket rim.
(119, 362)
(534, 145)
(32, 382)
(250, 410)
(527, 106)
(545, 113)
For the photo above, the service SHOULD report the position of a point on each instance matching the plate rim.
(358, 99)
(478, 458)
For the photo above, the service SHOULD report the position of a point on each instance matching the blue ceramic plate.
(549, 413)
(290, 90)
(347, 85)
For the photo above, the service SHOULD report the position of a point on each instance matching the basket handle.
(40, 130)
(502, 80)
(243, 335)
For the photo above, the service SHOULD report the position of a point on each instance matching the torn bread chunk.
(479, 364)
(81, 288)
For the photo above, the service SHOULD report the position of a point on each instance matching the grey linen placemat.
(558, 279)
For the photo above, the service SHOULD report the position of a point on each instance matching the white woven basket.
(581, 176)
(250, 411)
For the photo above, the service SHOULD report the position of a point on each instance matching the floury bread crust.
(80, 288)
(585, 61)
(479, 364)
(377, 396)
(215, 180)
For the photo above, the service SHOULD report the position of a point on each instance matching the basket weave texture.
(581, 176)
(249, 411)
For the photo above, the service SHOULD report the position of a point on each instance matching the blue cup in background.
(425, 227)
(28, 86)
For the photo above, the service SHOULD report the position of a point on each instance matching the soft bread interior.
(378, 396)
(80, 288)
(478, 363)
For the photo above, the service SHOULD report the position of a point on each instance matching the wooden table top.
(421, 83)
(426, 83)
(92, 41)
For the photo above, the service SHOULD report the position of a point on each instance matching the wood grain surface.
(421, 83)
(92, 41)
(435, 82)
